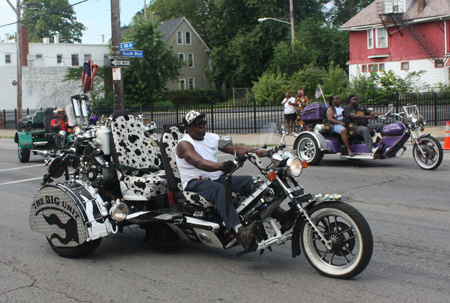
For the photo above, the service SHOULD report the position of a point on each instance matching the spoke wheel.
(432, 153)
(350, 237)
(23, 154)
(308, 150)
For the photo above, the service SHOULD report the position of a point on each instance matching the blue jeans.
(214, 192)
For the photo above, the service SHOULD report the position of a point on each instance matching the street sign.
(126, 45)
(120, 62)
(133, 54)
(117, 74)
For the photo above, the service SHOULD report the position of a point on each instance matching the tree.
(53, 17)
(343, 10)
(146, 78)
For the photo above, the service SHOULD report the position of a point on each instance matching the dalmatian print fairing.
(135, 150)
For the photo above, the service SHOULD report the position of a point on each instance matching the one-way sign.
(120, 62)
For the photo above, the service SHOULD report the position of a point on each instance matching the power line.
(47, 13)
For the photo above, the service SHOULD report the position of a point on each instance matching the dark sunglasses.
(197, 124)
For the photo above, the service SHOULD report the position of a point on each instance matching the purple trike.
(311, 145)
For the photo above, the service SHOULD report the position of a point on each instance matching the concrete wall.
(42, 87)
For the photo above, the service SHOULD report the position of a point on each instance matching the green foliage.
(290, 59)
(60, 21)
(195, 96)
(270, 88)
(443, 88)
(307, 79)
(335, 81)
(146, 78)
(343, 10)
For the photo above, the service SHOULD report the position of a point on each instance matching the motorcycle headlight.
(414, 118)
(294, 167)
(119, 212)
(76, 130)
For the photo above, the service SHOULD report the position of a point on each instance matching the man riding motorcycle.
(200, 172)
(358, 124)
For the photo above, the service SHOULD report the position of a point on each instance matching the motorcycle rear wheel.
(433, 153)
(352, 241)
(77, 251)
(308, 150)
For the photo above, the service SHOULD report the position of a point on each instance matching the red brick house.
(402, 36)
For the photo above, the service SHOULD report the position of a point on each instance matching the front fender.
(323, 146)
(24, 139)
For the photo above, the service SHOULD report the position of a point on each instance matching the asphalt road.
(407, 208)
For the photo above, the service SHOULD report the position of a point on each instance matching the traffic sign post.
(126, 45)
(133, 54)
(120, 62)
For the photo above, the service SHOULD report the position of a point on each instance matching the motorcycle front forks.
(304, 212)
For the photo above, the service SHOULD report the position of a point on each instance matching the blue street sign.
(126, 45)
(133, 54)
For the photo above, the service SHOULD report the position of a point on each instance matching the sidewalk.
(253, 139)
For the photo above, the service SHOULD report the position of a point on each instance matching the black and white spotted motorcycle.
(117, 181)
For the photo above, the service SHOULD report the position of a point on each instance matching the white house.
(44, 65)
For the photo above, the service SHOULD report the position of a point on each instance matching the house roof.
(368, 17)
(168, 27)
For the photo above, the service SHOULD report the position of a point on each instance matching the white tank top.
(207, 149)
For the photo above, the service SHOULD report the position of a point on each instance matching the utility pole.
(292, 22)
(115, 41)
(19, 62)
(145, 9)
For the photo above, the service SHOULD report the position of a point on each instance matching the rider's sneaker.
(246, 236)
(375, 151)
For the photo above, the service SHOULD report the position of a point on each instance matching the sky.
(94, 14)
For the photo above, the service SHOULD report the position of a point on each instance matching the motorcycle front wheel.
(432, 153)
(350, 236)
(77, 251)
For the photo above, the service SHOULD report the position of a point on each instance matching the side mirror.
(225, 141)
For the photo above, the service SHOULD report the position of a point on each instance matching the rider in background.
(59, 123)
(335, 120)
(357, 120)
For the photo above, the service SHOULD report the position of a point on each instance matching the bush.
(270, 88)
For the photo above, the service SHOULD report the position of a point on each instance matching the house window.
(87, 57)
(370, 38)
(438, 63)
(373, 67)
(7, 58)
(405, 65)
(188, 38)
(381, 66)
(75, 61)
(191, 83)
(190, 59)
(179, 37)
(59, 59)
(181, 56)
(38, 56)
(182, 84)
(382, 40)
(364, 68)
